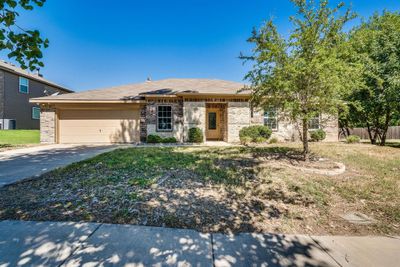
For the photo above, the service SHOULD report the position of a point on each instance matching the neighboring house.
(16, 87)
(129, 113)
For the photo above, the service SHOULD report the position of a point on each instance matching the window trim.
(19, 85)
(319, 123)
(275, 117)
(157, 117)
(35, 108)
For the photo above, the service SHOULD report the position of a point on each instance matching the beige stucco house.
(129, 113)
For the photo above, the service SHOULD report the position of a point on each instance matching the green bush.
(254, 132)
(317, 135)
(169, 140)
(245, 140)
(154, 139)
(352, 139)
(195, 135)
(273, 140)
(260, 139)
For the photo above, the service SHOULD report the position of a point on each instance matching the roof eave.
(36, 79)
(212, 94)
(83, 101)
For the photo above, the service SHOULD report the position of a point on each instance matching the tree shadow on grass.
(77, 244)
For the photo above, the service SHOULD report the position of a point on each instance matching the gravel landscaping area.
(225, 189)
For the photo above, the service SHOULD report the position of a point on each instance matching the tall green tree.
(304, 74)
(376, 46)
(24, 45)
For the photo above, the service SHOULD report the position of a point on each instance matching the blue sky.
(95, 44)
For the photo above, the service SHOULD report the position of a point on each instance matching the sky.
(98, 43)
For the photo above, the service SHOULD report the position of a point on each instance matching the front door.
(213, 119)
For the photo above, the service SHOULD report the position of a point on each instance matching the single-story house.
(168, 108)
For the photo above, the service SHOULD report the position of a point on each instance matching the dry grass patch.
(227, 189)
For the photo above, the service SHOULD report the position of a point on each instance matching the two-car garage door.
(98, 126)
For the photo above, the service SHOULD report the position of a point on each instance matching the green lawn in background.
(14, 137)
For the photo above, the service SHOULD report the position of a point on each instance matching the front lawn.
(14, 137)
(226, 189)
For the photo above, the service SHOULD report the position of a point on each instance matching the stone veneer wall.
(194, 115)
(177, 118)
(47, 125)
(238, 116)
(289, 131)
(330, 124)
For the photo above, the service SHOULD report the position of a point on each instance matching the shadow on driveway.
(24, 163)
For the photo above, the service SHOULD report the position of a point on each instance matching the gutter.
(87, 101)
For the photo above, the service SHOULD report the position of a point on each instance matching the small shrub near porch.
(255, 133)
(156, 139)
(317, 135)
(195, 135)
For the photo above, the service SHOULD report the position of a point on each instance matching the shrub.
(195, 135)
(273, 140)
(245, 140)
(154, 139)
(260, 139)
(169, 140)
(352, 139)
(317, 135)
(255, 131)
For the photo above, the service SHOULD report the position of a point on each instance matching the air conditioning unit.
(8, 124)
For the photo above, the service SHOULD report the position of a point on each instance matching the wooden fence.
(393, 132)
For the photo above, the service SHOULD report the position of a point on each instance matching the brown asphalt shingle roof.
(161, 87)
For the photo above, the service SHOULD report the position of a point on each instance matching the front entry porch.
(216, 122)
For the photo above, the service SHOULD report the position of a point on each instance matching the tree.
(305, 74)
(25, 46)
(376, 46)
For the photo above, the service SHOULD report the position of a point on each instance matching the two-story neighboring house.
(16, 87)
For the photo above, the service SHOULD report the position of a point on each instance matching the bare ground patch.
(232, 189)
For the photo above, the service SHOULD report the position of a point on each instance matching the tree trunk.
(371, 138)
(386, 127)
(306, 150)
(347, 131)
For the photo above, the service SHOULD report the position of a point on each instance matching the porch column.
(238, 117)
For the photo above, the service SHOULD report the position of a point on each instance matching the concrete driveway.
(23, 163)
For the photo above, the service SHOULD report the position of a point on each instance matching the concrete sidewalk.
(93, 244)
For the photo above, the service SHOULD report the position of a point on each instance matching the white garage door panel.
(99, 126)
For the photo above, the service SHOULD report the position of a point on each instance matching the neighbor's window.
(164, 118)
(271, 118)
(23, 85)
(35, 113)
(313, 123)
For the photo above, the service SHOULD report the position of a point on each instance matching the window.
(271, 118)
(23, 85)
(164, 118)
(313, 123)
(212, 121)
(35, 113)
